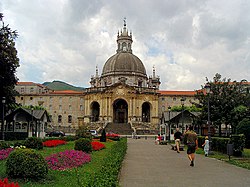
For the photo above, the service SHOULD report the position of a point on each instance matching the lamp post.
(2, 127)
(182, 115)
(32, 125)
(208, 90)
(163, 122)
(169, 126)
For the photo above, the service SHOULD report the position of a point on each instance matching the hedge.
(108, 173)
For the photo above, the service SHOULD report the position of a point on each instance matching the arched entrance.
(120, 110)
(146, 112)
(95, 111)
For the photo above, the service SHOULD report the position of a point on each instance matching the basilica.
(122, 99)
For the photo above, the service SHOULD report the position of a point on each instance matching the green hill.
(59, 85)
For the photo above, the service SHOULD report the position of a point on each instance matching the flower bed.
(96, 146)
(53, 143)
(4, 153)
(5, 183)
(113, 136)
(67, 159)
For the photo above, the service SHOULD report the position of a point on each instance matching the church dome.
(124, 63)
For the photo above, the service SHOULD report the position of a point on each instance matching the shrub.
(67, 159)
(83, 144)
(103, 136)
(238, 140)
(4, 153)
(218, 143)
(68, 138)
(5, 183)
(83, 132)
(244, 128)
(34, 143)
(96, 146)
(26, 163)
(4, 145)
(53, 143)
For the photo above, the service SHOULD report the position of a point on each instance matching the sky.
(185, 40)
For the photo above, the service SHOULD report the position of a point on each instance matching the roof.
(175, 93)
(65, 92)
(173, 114)
(30, 84)
(37, 114)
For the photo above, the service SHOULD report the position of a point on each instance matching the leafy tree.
(226, 98)
(8, 64)
(244, 128)
(188, 108)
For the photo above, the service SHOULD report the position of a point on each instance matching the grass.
(243, 161)
(68, 177)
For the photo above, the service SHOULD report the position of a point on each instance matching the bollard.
(230, 148)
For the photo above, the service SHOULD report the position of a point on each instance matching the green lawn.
(68, 177)
(243, 161)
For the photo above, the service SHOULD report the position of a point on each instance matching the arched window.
(60, 119)
(69, 119)
(146, 112)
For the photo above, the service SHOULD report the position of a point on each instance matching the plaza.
(150, 165)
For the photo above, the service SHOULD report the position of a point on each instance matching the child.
(206, 146)
(158, 139)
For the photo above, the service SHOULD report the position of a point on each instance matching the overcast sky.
(186, 40)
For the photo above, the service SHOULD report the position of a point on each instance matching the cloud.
(186, 41)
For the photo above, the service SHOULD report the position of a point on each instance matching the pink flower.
(4, 153)
(67, 159)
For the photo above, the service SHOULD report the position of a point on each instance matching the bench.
(173, 147)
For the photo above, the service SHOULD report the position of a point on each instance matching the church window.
(69, 119)
(174, 99)
(60, 119)
(124, 46)
(60, 107)
(31, 90)
(81, 108)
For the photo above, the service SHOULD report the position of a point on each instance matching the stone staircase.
(119, 128)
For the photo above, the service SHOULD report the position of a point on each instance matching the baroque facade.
(122, 95)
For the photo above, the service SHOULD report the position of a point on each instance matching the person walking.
(206, 146)
(177, 138)
(192, 144)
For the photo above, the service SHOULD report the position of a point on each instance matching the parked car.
(93, 133)
(55, 133)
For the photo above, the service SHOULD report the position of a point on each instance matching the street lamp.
(169, 127)
(2, 127)
(163, 122)
(182, 115)
(208, 90)
(32, 124)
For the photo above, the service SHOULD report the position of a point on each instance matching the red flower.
(53, 143)
(5, 183)
(96, 146)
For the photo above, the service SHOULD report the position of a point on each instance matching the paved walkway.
(150, 165)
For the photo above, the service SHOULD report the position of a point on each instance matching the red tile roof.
(65, 92)
(164, 92)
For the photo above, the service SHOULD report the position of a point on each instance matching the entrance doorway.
(95, 111)
(120, 111)
(146, 112)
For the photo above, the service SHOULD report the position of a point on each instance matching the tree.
(244, 128)
(8, 64)
(226, 98)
